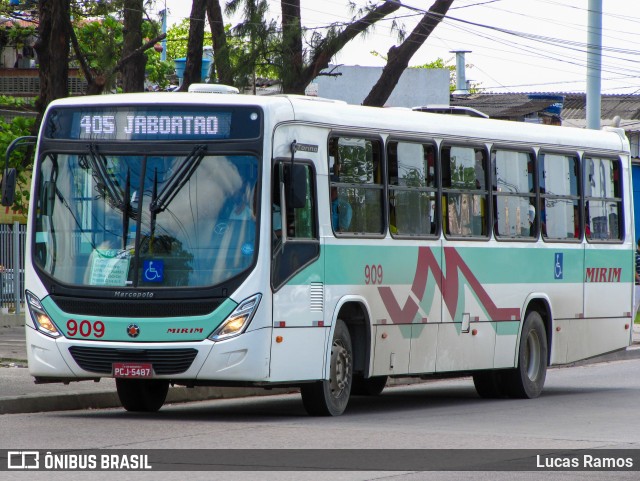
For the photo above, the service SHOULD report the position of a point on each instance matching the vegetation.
(107, 39)
(18, 127)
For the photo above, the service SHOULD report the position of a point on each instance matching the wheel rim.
(340, 368)
(532, 355)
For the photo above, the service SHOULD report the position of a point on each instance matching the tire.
(490, 384)
(371, 386)
(330, 397)
(527, 379)
(142, 395)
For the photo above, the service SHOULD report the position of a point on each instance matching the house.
(567, 109)
(19, 76)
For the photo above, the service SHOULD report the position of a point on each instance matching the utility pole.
(594, 64)
(461, 76)
(163, 55)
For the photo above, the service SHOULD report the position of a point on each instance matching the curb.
(72, 401)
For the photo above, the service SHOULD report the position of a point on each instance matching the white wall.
(415, 87)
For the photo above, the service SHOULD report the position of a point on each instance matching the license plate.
(127, 369)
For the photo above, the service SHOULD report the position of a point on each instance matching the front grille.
(164, 361)
(137, 308)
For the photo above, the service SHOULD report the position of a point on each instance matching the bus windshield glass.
(145, 221)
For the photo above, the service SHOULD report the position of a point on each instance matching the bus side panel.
(608, 276)
(459, 351)
(299, 355)
(506, 344)
(561, 337)
(392, 347)
(298, 320)
(591, 337)
(424, 339)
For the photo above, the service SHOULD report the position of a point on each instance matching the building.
(416, 87)
(567, 109)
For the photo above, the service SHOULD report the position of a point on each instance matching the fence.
(12, 245)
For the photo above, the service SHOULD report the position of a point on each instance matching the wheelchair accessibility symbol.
(153, 271)
(557, 268)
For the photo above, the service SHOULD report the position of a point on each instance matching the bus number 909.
(373, 274)
(85, 328)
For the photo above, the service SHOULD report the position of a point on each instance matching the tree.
(52, 48)
(399, 56)
(254, 53)
(255, 46)
(322, 48)
(297, 66)
(193, 67)
(440, 63)
(97, 44)
(133, 70)
(223, 69)
(291, 41)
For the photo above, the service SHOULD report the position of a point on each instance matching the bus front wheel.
(371, 386)
(330, 397)
(142, 395)
(527, 379)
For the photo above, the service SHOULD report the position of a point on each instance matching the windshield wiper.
(98, 162)
(178, 180)
(126, 208)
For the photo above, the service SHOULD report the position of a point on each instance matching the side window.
(464, 189)
(603, 199)
(560, 196)
(412, 189)
(514, 197)
(356, 185)
(298, 222)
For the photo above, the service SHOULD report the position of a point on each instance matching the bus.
(199, 239)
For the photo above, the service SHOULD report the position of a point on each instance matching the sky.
(515, 45)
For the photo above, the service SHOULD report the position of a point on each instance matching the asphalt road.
(589, 407)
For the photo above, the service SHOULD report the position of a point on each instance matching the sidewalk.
(19, 394)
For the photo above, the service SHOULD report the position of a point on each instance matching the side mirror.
(9, 187)
(296, 182)
(9, 179)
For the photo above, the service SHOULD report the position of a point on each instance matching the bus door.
(297, 278)
(466, 335)
(412, 262)
(607, 305)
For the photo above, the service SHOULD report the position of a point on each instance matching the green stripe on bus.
(349, 264)
(507, 328)
(171, 329)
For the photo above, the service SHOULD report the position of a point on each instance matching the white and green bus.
(199, 239)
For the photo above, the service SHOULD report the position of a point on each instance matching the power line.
(569, 52)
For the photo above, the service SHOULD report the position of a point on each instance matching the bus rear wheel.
(490, 384)
(142, 395)
(527, 379)
(330, 397)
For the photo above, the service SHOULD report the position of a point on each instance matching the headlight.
(39, 316)
(238, 320)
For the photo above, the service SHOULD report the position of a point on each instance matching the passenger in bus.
(576, 226)
(341, 212)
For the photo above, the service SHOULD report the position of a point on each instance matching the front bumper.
(244, 358)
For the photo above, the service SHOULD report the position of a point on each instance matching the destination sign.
(145, 123)
(137, 125)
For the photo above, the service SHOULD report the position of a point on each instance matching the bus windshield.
(145, 221)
